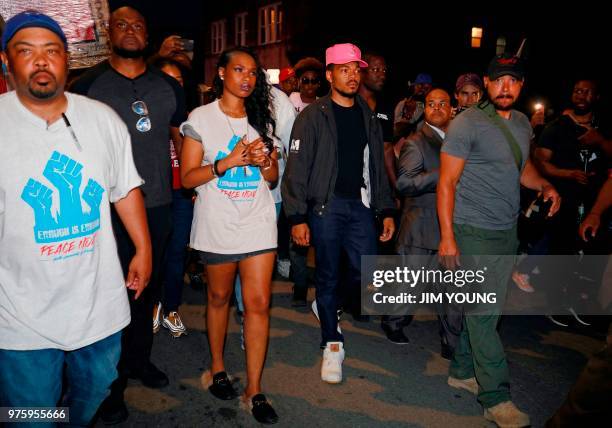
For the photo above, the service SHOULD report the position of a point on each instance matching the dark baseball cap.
(506, 64)
(468, 79)
(31, 19)
(423, 78)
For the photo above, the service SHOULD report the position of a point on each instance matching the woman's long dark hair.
(257, 104)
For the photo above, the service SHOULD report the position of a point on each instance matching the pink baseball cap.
(344, 53)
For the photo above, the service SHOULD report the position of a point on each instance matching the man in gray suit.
(418, 173)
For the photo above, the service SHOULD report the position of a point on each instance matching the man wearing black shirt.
(152, 106)
(373, 79)
(570, 156)
(333, 184)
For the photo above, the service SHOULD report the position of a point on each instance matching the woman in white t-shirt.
(229, 158)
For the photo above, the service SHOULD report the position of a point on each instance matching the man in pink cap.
(334, 184)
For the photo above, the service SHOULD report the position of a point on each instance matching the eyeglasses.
(144, 123)
(306, 81)
(136, 27)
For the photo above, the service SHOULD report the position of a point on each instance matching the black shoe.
(262, 410)
(357, 316)
(195, 281)
(113, 411)
(149, 375)
(222, 387)
(299, 297)
(446, 351)
(395, 336)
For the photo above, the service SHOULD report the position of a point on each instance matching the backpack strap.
(489, 110)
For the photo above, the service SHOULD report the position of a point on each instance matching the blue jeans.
(238, 284)
(34, 378)
(176, 251)
(346, 225)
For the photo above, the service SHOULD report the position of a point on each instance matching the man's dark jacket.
(310, 177)
(417, 178)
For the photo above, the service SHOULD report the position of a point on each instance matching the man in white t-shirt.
(63, 299)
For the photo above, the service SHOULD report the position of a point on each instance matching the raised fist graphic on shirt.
(53, 223)
(92, 195)
(39, 197)
(65, 174)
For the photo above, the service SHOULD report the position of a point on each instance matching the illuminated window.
(270, 24)
(476, 36)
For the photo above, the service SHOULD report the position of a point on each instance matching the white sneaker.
(157, 317)
(174, 323)
(331, 367)
(315, 311)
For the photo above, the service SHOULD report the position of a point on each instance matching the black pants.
(137, 339)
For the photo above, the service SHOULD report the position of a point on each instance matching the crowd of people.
(290, 167)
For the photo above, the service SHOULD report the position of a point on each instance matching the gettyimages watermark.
(487, 284)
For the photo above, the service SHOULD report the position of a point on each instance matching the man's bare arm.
(451, 168)
(131, 211)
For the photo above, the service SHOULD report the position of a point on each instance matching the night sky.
(434, 38)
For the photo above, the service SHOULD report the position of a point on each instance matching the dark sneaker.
(195, 281)
(395, 336)
(222, 387)
(113, 411)
(262, 410)
(359, 317)
(299, 297)
(446, 351)
(149, 375)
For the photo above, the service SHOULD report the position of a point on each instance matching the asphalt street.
(385, 385)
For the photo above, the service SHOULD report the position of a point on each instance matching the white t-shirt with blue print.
(61, 284)
(235, 213)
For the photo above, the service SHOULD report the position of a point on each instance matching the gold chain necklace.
(230, 124)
